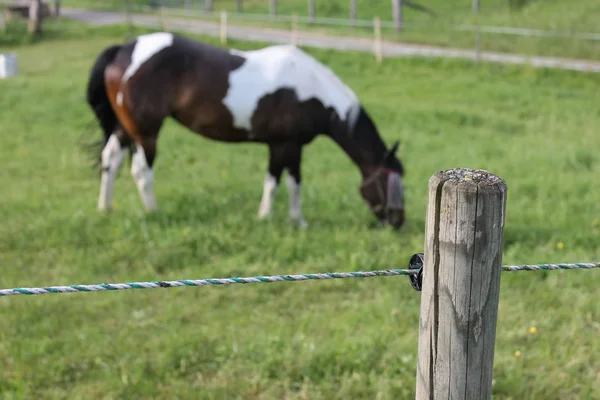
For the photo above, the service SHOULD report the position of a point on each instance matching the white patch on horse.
(145, 47)
(284, 66)
(112, 158)
(143, 176)
(294, 198)
(268, 196)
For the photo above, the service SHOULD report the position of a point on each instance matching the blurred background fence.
(555, 28)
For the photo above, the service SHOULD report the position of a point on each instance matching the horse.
(277, 95)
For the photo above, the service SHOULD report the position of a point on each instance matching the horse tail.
(98, 100)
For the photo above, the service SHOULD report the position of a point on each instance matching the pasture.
(350, 339)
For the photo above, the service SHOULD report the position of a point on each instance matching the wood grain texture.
(459, 301)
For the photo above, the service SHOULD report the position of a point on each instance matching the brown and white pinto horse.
(278, 95)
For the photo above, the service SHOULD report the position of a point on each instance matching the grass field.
(551, 15)
(350, 339)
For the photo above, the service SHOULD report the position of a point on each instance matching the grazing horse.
(279, 96)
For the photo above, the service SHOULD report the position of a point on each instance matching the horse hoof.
(302, 224)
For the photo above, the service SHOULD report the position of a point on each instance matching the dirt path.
(389, 49)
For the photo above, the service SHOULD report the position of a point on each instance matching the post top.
(477, 176)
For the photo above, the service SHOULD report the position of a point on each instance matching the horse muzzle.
(395, 217)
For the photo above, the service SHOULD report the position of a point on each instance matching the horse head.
(383, 190)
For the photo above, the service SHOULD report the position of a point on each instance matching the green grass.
(552, 15)
(347, 339)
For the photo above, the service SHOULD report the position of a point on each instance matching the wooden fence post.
(311, 11)
(223, 30)
(56, 8)
(475, 6)
(461, 282)
(208, 6)
(129, 18)
(238, 6)
(163, 18)
(478, 43)
(377, 44)
(34, 24)
(294, 29)
(397, 13)
(272, 8)
(353, 12)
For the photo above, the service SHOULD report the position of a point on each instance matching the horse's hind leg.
(293, 161)
(112, 157)
(271, 182)
(283, 155)
(141, 170)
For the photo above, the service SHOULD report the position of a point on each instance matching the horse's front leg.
(142, 172)
(112, 157)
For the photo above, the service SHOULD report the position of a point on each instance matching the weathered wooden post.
(238, 6)
(461, 282)
(272, 9)
(57, 8)
(475, 6)
(311, 11)
(353, 12)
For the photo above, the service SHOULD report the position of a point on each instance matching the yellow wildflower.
(532, 330)
(517, 353)
(560, 245)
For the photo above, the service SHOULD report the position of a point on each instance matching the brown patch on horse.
(113, 75)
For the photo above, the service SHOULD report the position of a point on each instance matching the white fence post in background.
(461, 283)
(311, 11)
(223, 27)
(397, 14)
(377, 44)
(294, 29)
(208, 6)
(163, 18)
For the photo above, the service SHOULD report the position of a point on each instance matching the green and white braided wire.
(202, 282)
(264, 279)
(550, 267)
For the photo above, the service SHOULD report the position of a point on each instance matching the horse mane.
(364, 132)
